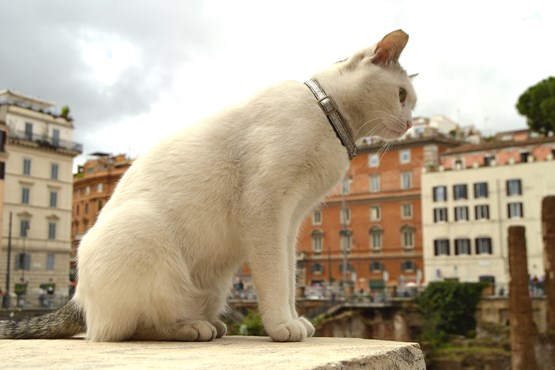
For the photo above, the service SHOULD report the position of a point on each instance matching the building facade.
(368, 235)
(93, 184)
(37, 194)
(470, 201)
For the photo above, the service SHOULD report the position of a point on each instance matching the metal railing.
(46, 141)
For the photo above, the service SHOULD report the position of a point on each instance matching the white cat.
(159, 262)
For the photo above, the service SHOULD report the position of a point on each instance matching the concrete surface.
(232, 352)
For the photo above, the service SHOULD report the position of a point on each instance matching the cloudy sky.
(134, 71)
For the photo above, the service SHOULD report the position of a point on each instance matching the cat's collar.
(330, 109)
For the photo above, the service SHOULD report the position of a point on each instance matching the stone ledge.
(231, 352)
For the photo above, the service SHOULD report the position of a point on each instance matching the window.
(27, 166)
(524, 156)
(440, 193)
(24, 226)
(404, 156)
(53, 199)
(54, 171)
(376, 266)
(406, 180)
(483, 246)
(441, 247)
(515, 210)
(100, 187)
(440, 214)
(374, 183)
(56, 137)
(408, 266)
(375, 213)
(2, 169)
(514, 187)
(317, 217)
(346, 236)
(23, 261)
(50, 258)
(317, 268)
(459, 191)
(317, 241)
(345, 216)
(406, 210)
(489, 160)
(482, 212)
(28, 131)
(87, 190)
(461, 213)
(86, 208)
(481, 190)
(349, 267)
(376, 235)
(462, 247)
(458, 163)
(346, 186)
(373, 160)
(407, 236)
(25, 195)
(51, 230)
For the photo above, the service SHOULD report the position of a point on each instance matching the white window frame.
(345, 216)
(441, 211)
(410, 208)
(404, 156)
(479, 212)
(374, 183)
(373, 160)
(514, 210)
(406, 175)
(317, 220)
(375, 213)
(461, 213)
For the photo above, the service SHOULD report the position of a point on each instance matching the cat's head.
(373, 90)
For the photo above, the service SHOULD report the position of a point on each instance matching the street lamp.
(6, 298)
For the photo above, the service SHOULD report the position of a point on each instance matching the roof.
(410, 141)
(15, 97)
(493, 145)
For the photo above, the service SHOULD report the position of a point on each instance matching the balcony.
(45, 141)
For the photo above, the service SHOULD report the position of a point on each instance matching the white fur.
(158, 264)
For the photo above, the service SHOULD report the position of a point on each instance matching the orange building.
(93, 185)
(375, 218)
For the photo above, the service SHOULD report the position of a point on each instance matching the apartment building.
(93, 184)
(469, 202)
(37, 194)
(368, 234)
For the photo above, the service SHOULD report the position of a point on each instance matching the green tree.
(448, 308)
(538, 105)
(65, 111)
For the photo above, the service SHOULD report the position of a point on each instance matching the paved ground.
(227, 353)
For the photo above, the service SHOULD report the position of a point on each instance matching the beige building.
(37, 194)
(469, 202)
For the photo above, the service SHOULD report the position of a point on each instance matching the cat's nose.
(409, 124)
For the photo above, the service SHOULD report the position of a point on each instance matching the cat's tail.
(63, 323)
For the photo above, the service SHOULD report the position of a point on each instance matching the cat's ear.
(390, 47)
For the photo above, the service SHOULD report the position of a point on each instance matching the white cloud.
(167, 66)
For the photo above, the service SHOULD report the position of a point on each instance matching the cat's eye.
(402, 95)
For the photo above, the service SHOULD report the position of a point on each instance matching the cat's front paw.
(198, 331)
(292, 331)
(221, 328)
(309, 327)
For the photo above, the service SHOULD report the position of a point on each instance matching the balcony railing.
(46, 141)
